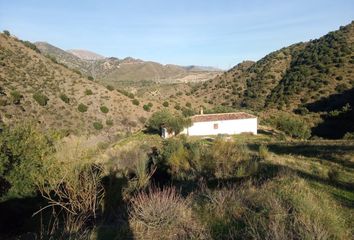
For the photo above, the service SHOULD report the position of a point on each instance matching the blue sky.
(213, 33)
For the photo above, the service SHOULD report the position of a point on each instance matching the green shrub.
(146, 107)
(23, 149)
(104, 109)
(135, 102)
(291, 125)
(109, 122)
(263, 152)
(110, 87)
(64, 98)
(97, 125)
(16, 97)
(90, 78)
(174, 123)
(187, 112)
(188, 104)
(88, 92)
(177, 107)
(40, 98)
(82, 107)
(165, 104)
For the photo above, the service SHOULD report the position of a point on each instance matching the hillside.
(292, 79)
(36, 88)
(118, 72)
(85, 55)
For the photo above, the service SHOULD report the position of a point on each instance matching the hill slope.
(295, 75)
(298, 78)
(34, 87)
(85, 55)
(114, 71)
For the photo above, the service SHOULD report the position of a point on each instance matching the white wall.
(224, 127)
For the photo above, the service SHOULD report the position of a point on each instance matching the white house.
(220, 123)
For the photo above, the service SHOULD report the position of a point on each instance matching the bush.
(82, 107)
(146, 108)
(295, 127)
(284, 209)
(23, 149)
(90, 78)
(16, 97)
(97, 125)
(104, 109)
(165, 104)
(162, 214)
(7, 33)
(40, 98)
(228, 157)
(110, 87)
(64, 98)
(109, 122)
(188, 104)
(135, 102)
(177, 107)
(88, 92)
(263, 152)
(333, 175)
(187, 112)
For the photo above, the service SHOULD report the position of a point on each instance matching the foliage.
(90, 78)
(82, 108)
(109, 122)
(125, 93)
(263, 152)
(16, 97)
(175, 123)
(187, 112)
(7, 33)
(64, 98)
(23, 149)
(135, 102)
(88, 92)
(97, 125)
(104, 109)
(40, 98)
(165, 104)
(110, 87)
(295, 127)
(146, 107)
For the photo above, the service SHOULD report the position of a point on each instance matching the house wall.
(224, 127)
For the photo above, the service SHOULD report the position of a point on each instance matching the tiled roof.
(221, 116)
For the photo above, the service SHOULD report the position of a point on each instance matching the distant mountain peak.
(85, 54)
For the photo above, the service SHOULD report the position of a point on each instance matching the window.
(216, 126)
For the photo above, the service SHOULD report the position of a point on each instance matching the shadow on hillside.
(331, 153)
(334, 127)
(114, 222)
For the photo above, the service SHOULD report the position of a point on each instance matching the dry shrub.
(285, 208)
(228, 156)
(163, 214)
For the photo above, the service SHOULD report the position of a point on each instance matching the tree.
(7, 33)
(175, 123)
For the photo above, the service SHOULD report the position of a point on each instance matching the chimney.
(201, 111)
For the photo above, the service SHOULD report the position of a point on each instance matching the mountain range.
(114, 71)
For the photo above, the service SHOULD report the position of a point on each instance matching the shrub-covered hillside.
(295, 75)
(36, 88)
